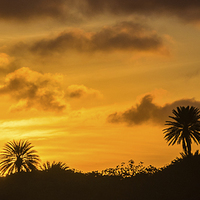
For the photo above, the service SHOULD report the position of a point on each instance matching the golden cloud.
(4, 59)
(33, 90)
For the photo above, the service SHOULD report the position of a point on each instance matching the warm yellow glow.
(67, 81)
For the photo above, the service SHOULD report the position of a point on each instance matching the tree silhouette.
(18, 156)
(184, 128)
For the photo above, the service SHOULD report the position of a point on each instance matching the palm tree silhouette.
(18, 156)
(184, 128)
(54, 166)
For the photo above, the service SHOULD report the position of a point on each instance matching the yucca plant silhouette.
(184, 128)
(18, 156)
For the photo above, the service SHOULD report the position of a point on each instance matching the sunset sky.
(91, 83)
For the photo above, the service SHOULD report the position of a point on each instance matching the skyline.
(91, 83)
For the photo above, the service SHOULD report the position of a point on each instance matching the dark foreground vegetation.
(179, 180)
(25, 178)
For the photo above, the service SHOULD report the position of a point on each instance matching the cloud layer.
(124, 36)
(147, 111)
(24, 10)
(184, 9)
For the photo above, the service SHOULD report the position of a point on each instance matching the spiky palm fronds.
(18, 156)
(184, 128)
(54, 166)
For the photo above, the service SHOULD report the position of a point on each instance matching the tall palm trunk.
(187, 139)
(19, 164)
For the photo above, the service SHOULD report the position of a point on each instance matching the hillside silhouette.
(178, 180)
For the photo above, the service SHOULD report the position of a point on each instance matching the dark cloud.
(28, 9)
(79, 91)
(24, 10)
(148, 111)
(33, 90)
(122, 36)
(184, 9)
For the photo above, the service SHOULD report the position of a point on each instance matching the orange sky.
(91, 83)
